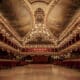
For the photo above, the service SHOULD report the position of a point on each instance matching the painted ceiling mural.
(21, 14)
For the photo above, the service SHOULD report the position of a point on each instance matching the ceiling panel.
(18, 15)
(61, 15)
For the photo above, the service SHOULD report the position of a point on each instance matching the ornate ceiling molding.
(9, 28)
(44, 31)
(30, 9)
(71, 26)
(51, 5)
(44, 1)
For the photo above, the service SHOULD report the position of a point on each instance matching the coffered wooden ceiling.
(20, 14)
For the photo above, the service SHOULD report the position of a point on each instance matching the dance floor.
(39, 72)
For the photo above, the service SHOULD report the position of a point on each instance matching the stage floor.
(39, 72)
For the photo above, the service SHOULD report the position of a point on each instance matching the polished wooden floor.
(39, 72)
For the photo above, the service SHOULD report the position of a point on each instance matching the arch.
(43, 1)
(50, 6)
(30, 9)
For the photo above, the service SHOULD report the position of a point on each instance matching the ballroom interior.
(39, 39)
